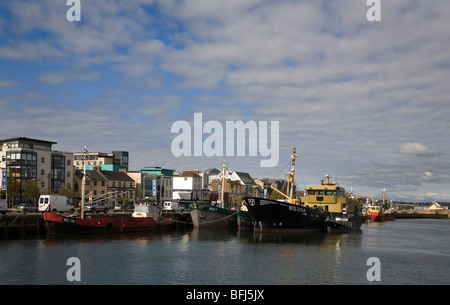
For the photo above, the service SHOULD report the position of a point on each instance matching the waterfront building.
(208, 176)
(108, 161)
(112, 187)
(249, 187)
(120, 186)
(96, 185)
(121, 158)
(187, 185)
(436, 206)
(157, 184)
(27, 160)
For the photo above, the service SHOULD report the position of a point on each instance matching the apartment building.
(26, 160)
(107, 161)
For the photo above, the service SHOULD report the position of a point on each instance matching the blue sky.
(366, 102)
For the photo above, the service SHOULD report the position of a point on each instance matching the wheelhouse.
(329, 197)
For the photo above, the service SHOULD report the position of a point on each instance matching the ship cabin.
(328, 197)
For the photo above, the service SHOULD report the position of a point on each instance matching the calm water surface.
(413, 251)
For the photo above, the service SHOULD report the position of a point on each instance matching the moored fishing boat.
(379, 212)
(343, 212)
(144, 218)
(279, 216)
(205, 215)
(324, 207)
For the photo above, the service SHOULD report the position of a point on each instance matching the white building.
(187, 186)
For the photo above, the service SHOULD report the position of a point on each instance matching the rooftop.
(25, 139)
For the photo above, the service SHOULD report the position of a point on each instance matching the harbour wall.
(434, 214)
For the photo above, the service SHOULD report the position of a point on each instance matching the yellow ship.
(329, 197)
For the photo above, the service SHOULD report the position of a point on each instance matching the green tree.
(275, 195)
(12, 187)
(66, 191)
(32, 192)
(126, 202)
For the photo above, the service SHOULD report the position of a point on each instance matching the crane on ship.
(290, 182)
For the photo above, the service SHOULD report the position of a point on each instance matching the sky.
(365, 102)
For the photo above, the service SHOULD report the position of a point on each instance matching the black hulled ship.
(324, 207)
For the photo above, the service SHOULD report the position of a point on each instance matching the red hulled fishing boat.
(144, 218)
(140, 221)
(379, 213)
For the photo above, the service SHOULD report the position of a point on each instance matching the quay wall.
(19, 224)
(435, 214)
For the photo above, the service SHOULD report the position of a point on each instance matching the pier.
(20, 224)
(411, 214)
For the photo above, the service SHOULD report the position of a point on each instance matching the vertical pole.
(293, 156)
(224, 166)
(83, 183)
(6, 177)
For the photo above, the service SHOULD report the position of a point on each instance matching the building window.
(58, 171)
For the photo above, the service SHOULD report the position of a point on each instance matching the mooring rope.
(14, 220)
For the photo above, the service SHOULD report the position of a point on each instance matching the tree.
(66, 191)
(13, 188)
(126, 202)
(32, 191)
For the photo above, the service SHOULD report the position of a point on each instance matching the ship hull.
(379, 217)
(344, 223)
(276, 216)
(213, 217)
(244, 221)
(59, 224)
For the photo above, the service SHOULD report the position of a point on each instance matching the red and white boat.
(378, 213)
(143, 219)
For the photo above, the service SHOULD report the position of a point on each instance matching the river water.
(413, 251)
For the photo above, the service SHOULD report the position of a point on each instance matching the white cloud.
(417, 149)
(346, 91)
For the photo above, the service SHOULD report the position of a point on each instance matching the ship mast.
(292, 174)
(83, 183)
(290, 182)
(222, 191)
